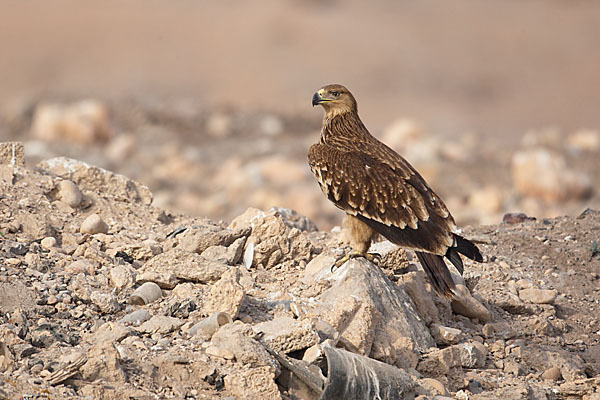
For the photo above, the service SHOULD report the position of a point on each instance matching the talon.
(375, 258)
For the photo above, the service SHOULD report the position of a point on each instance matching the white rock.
(542, 173)
(93, 224)
(48, 242)
(69, 193)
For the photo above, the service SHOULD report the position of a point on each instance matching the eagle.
(382, 194)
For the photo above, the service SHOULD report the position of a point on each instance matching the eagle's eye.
(335, 93)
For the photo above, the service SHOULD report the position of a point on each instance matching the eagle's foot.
(375, 258)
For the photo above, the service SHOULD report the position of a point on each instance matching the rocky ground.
(103, 295)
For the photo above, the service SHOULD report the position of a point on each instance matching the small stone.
(48, 242)
(465, 304)
(93, 224)
(107, 302)
(160, 324)
(80, 266)
(538, 296)
(472, 355)
(552, 374)
(69, 193)
(434, 386)
(513, 367)
(137, 317)
(51, 300)
(285, 334)
(445, 335)
(226, 295)
(122, 276)
(219, 352)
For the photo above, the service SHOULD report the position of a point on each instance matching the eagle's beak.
(316, 99)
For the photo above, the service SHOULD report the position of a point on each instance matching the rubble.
(285, 322)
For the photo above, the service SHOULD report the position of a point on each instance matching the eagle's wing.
(394, 201)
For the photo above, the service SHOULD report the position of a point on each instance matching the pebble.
(69, 193)
(51, 300)
(48, 242)
(93, 224)
(219, 352)
(552, 374)
(538, 296)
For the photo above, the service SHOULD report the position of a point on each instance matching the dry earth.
(78, 241)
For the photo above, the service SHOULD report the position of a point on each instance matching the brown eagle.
(382, 193)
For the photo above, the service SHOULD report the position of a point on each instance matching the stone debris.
(93, 224)
(84, 122)
(285, 334)
(226, 295)
(73, 323)
(538, 296)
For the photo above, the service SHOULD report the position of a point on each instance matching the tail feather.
(437, 271)
(455, 259)
(467, 248)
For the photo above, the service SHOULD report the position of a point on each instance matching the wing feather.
(393, 200)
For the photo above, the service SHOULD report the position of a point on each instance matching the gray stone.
(538, 296)
(93, 224)
(285, 334)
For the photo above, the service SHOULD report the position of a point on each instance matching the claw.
(375, 258)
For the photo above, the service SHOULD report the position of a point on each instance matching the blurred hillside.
(208, 103)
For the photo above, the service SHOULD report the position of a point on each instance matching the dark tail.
(437, 271)
(436, 268)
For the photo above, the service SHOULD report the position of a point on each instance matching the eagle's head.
(335, 99)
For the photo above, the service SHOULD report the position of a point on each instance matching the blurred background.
(208, 103)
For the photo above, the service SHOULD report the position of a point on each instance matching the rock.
(434, 386)
(552, 374)
(198, 239)
(137, 317)
(274, 242)
(253, 384)
(7, 360)
(112, 332)
(69, 193)
(164, 280)
(80, 267)
(103, 362)
(219, 125)
(184, 265)
(238, 338)
(321, 263)
(584, 140)
(513, 367)
(227, 295)
(230, 255)
(414, 284)
(219, 352)
(285, 334)
(97, 180)
(538, 296)
(465, 304)
(499, 329)
(444, 335)
(106, 302)
(93, 224)
(12, 154)
(83, 122)
(122, 276)
(362, 301)
(544, 174)
(489, 199)
(516, 218)
(48, 242)
(472, 355)
(160, 324)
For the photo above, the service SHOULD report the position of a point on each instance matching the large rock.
(227, 295)
(376, 316)
(272, 239)
(285, 334)
(182, 265)
(96, 179)
(84, 122)
(542, 173)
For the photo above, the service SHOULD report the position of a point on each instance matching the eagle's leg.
(360, 236)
